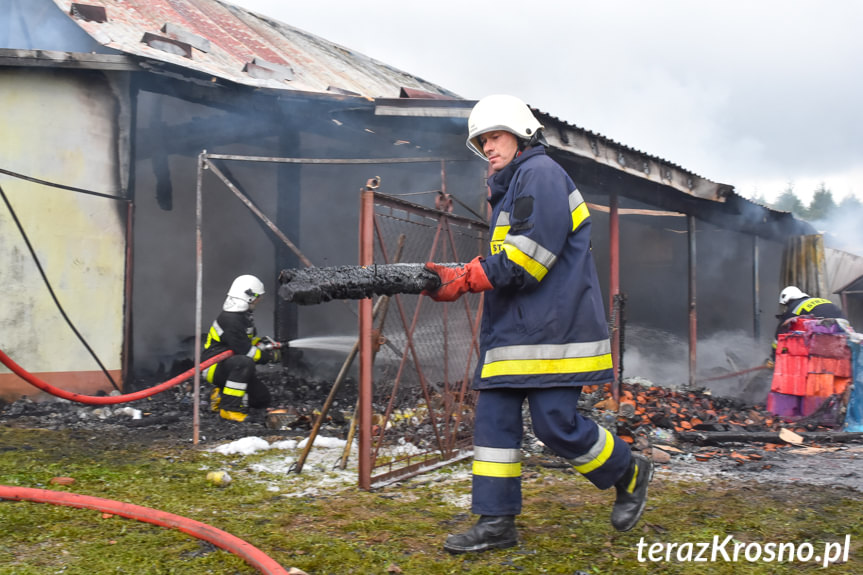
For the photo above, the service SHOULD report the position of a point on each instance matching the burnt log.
(719, 437)
(313, 285)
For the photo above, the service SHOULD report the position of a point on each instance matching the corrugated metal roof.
(223, 40)
(587, 144)
(228, 42)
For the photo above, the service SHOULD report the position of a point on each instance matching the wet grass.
(398, 529)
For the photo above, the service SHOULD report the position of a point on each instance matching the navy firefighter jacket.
(543, 324)
(235, 331)
(814, 306)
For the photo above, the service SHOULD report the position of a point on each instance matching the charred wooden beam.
(308, 286)
(719, 437)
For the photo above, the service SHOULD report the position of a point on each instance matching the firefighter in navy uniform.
(544, 333)
(796, 303)
(237, 387)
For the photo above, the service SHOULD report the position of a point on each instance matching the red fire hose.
(249, 553)
(106, 399)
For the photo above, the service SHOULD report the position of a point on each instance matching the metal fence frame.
(448, 449)
(445, 424)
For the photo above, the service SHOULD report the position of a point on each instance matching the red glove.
(456, 281)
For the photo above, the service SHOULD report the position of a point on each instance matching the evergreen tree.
(850, 205)
(789, 202)
(759, 198)
(822, 205)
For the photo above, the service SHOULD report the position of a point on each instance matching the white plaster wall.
(61, 126)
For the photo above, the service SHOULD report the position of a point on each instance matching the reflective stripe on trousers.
(593, 451)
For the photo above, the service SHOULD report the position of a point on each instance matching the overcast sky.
(758, 94)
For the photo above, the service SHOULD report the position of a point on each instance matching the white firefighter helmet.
(500, 112)
(791, 293)
(243, 292)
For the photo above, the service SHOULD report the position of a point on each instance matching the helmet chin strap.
(537, 139)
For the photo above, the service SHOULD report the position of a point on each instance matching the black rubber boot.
(489, 532)
(631, 493)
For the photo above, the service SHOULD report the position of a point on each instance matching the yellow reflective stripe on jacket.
(597, 455)
(501, 227)
(210, 374)
(809, 304)
(499, 233)
(534, 258)
(215, 334)
(254, 353)
(579, 210)
(580, 357)
(496, 462)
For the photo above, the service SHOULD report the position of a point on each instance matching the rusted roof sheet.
(603, 150)
(225, 41)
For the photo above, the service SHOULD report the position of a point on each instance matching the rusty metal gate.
(417, 356)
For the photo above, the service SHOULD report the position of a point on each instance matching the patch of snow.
(325, 442)
(243, 446)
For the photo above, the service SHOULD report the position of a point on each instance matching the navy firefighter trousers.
(593, 451)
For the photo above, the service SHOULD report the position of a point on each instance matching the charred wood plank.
(313, 285)
(719, 437)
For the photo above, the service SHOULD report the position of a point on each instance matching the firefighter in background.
(544, 333)
(237, 387)
(795, 303)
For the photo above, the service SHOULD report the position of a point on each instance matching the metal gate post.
(199, 268)
(614, 289)
(366, 256)
(693, 308)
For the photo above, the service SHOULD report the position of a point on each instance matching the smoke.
(842, 230)
(663, 359)
(315, 205)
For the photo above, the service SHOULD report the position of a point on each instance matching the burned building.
(108, 106)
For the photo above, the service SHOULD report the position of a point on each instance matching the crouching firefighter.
(236, 386)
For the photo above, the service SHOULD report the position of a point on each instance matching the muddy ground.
(167, 419)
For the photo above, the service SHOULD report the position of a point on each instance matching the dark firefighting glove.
(454, 281)
(275, 355)
(270, 351)
(266, 356)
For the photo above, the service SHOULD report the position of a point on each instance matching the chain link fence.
(422, 402)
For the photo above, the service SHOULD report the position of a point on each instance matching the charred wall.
(654, 277)
(314, 204)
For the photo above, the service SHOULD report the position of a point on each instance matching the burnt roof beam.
(735, 213)
(596, 148)
(12, 58)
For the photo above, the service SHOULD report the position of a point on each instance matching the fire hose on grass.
(249, 553)
(222, 539)
(106, 399)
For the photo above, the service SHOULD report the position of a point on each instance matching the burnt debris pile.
(309, 286)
